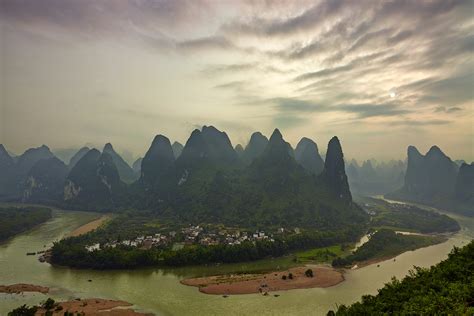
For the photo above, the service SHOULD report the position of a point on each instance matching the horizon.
(130, 158)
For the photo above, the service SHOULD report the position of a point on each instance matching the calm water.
(159, 291)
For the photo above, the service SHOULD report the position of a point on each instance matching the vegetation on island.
(113, 253)
(407, 217)
(16, 220)
(386, 243)
(444, 289)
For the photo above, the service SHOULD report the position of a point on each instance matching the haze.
(380, 75)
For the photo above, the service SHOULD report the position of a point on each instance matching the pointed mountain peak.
(77, 156)
(157, 163)
(194, 134)
(435, 151)
(93, 153)
(239, 148)
(334, 170)
(255, 147)
(257, 135)
(307, 155)
(413, 151)
(160, 140)
(44, 147)
(210, 129)
(3, 151)
(108, 147)
(276, 136)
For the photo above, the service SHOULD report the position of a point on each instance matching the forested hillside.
(445, 289)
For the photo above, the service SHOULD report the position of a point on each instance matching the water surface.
(159, 291)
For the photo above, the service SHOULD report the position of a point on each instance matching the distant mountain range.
(207, 179)
(434, 179)
(373, 178)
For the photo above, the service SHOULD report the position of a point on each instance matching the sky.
(381, 75)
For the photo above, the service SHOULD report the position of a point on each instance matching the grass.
(322, 255)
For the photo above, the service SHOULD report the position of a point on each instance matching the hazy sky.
(379, 74)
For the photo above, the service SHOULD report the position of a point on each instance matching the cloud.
(289, 121)
(444, 109)
(285, 105)
(415, 123)
(206, 43)
(371, 110)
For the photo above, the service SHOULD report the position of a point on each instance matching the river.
(159, 291)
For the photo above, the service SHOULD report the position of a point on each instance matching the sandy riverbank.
(93, 307)
(22, 287)
(324, 276)
(89, 226)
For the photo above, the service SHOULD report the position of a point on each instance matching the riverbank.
(22, 287)
(89, 307)
(323, 276)
(89, 226)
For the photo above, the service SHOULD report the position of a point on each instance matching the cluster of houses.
(191, 235)
(145, 242)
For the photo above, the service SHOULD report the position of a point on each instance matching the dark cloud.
(444, 109)
(206, 43)
(289, 105)
(289, 121)
(415, 123)
(324, 72)
(399, 37)
(371, 110)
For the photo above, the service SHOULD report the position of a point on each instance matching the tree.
(283, 277)
(23, 311)
(290, 276)
(309, 273)
(49, 303)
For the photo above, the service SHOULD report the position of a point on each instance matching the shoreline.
(254, 283)
(369, 262)
(19, 288)
(90, 226)
(324, 276)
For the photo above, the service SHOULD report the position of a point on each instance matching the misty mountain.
(374, 178)
(177, 149)
(239, 150)
(255, 147)
(64, 154)
(6, 171)
(17, 175)
(434, 179)
(77, 156)
(137, 166)
(209, 146)
(158, 165)
(30, 157)
(125, 171)
(273, 190)
(334, 173)
(45, 181)
(307, 155)
(94, 182)
(464, 189)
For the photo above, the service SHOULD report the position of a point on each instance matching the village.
(192, 235)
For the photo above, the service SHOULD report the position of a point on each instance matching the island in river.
(293, 278)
